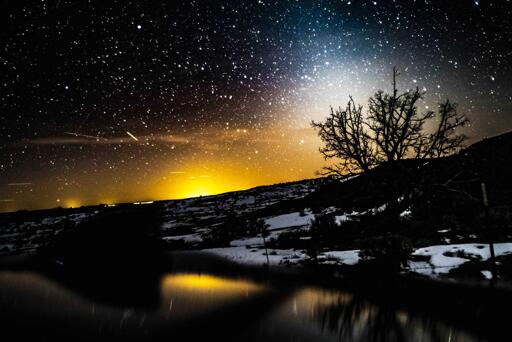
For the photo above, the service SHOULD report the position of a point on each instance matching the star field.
(111, 101)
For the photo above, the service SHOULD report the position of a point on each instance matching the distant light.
(139, 27)
(144, 202)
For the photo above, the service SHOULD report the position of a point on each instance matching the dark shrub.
(390, 251)
(323, 230)
(234, 227)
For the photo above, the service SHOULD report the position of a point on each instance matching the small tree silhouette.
(392, 129)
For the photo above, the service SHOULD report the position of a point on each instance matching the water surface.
(200, 305)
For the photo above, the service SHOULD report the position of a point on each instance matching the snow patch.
(246, 200)
(339, 219)
(407, 213)
(443, 258)
(245, 256)
(295, 219)
(344, 257)
(189, 238)
(487, 274)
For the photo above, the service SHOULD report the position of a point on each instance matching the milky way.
(105, 101)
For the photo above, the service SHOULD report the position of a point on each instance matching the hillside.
(431, 209)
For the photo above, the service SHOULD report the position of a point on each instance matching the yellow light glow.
(204, 180)
(194, 294)
(107, 201)
(217, 162)
(196, 191)
(203, 282)
(72, 203)
(196, 188)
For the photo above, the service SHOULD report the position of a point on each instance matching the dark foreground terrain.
(194, 296)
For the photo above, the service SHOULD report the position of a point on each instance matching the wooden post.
(488, 226)
(263, 233)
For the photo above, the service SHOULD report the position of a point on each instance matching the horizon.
(146, 201)
(143, 201)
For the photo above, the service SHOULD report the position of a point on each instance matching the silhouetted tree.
(391, 129)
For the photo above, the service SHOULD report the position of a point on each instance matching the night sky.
(116, 101)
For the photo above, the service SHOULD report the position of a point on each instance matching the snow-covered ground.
(255, 257)
(28, 236)
(256, 241)
(343, 257)
(440, 258)
(443, 258)
(185, 221)
(339, 219)
(189, 221)
(296, 219)
(188, 238)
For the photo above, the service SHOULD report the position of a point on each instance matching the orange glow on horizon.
(200, 180)
(72, 203)
(220, 161)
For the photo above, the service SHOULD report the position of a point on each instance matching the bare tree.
(392, 129)
(443, 141)
(345, 138)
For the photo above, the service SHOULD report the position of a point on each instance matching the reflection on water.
(186, 294)
(345, 317)
(28, 300)
(204, 283)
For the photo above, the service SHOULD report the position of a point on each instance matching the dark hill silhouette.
(489, 161)
(442, 191)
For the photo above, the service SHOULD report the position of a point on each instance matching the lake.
(188, 305)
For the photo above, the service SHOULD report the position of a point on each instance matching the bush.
(323, 230)
(221, 235)
(390, 251)
(234, 227)
(291, 239)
